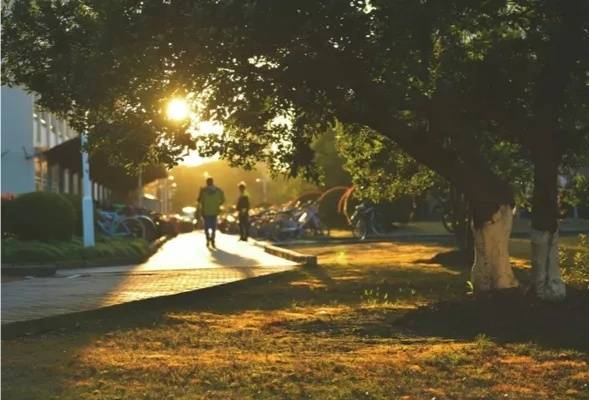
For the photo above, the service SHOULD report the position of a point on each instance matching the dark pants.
(210, 222)
(244, 226)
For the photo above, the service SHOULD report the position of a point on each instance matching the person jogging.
(243, 210)
(210, 200)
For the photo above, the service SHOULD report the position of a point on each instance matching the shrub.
(575, 263)
(76, 202)
(7, 214)
(42, 216)
(34, 251)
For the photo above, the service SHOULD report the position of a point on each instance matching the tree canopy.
(431, 76)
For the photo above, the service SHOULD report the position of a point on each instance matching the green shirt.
(210, 199)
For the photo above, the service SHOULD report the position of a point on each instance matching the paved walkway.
(182, 264)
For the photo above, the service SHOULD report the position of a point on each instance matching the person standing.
(243, 210)
(210, 200)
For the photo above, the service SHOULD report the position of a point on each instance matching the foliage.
(42, 216)
(576, 191)
(7, 214)
(379, 168)
(575, 263)
(76, 202)
(435, 78)
(33, 251)
(330, 160)
(512, 163)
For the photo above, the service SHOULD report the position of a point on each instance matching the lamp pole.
(87, 202)
(263, 181)
(140, 188)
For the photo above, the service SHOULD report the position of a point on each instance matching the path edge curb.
(305, 260)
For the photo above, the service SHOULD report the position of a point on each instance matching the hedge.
(16, 251)
(41, 216)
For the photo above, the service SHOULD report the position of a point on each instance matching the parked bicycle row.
(280, 222)
(128, 221)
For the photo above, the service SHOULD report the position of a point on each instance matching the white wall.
(18, 172)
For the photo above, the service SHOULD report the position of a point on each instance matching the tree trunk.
(546, 279)
(462, 223)
(491, 268)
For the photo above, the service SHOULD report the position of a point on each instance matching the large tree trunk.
(546, 279)
(492, 269)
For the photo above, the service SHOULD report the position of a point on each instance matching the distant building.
(28, 133)
(42, 152)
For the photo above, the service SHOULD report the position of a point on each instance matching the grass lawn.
(375, 321)
(521, 247)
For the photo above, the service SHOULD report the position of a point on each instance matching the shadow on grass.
(512, 317)
(506, 318)
(456, 260)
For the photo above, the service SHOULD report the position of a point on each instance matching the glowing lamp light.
(177, 110)
(189, 210)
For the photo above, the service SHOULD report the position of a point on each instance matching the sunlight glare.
(177, 109)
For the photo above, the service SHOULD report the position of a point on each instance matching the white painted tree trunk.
(546, 277)
(491, 268)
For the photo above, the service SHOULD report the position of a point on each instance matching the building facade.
(41, 152)
(28, 133)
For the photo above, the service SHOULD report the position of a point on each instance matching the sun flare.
(177, 109)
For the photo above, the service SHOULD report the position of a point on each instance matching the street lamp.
(264, 191)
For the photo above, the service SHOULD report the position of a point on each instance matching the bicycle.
(310, 222)
(112, 224)
(364, 221)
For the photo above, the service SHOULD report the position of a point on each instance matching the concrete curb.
(300, 258)
(304, 260)
(50, 269)
(382, 239)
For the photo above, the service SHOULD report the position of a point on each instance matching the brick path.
(182, 264)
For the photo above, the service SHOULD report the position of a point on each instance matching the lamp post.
(87, 202)
(140, 189)
(264, 191)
